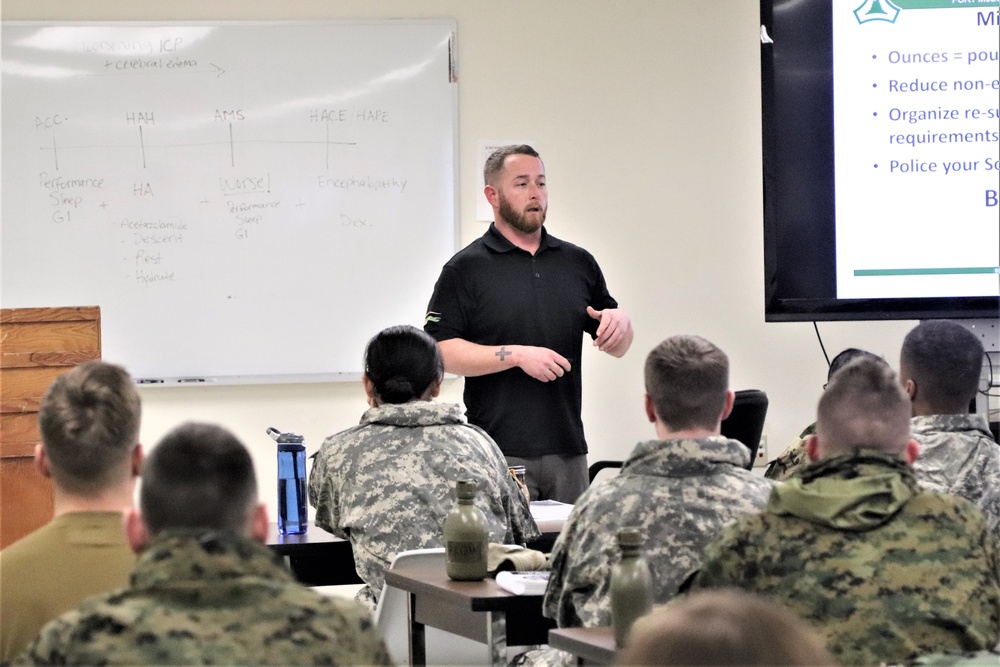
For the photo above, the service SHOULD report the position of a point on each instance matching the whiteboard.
(245, 201)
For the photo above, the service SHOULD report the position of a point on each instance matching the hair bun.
(397, 389)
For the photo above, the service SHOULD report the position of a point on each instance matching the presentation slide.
(917, 158)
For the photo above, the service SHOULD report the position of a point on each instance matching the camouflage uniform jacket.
(958, 455)
(792, 459)
(210, 598)
(388, 484)
(884, 570)
(679, 492)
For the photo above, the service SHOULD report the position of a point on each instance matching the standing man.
(509, 311)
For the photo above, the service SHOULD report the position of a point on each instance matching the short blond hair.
(723, 627)
(89, 422)
(864, 406)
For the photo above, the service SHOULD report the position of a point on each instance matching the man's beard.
(519, 220)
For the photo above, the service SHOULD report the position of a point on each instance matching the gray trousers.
(554, 477)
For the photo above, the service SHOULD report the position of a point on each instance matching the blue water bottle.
(292, 516)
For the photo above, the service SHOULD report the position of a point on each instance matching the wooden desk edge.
(482, 595)
(314, 535)
(595, 645)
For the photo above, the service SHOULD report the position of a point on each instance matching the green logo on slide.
(877, 10)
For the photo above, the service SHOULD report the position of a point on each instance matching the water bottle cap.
(630, 537)
(465, 489)
(278, 436)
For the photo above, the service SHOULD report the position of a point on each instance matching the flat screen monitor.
(881, 159)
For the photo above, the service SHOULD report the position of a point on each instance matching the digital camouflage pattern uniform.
(210, 598)
(388, 484)
(792, 459)
(959, 455)
(679, 492)
(884, 570)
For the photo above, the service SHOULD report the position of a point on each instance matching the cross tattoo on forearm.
(503, 353)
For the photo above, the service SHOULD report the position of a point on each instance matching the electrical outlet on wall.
(762, 456)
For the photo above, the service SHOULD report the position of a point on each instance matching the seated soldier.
(388, 483)
(206, 589)
(795, 458)
(884, 570)
(680, 488)
(89, 423)
(940, 364)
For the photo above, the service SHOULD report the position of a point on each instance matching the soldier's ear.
(258, 524)
(42, 461)
(373, 401)
(136, 461)
(728, 408)
(912, 451)
(650, 408)
(135, 529)
(812, 448)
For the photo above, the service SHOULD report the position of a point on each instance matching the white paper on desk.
(550, 510)
(523, 583)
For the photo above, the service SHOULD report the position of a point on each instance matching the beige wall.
(647, 113)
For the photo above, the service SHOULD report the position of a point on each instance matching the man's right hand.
(540, 363)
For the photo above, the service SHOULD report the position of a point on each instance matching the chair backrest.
(746, 422)
(596, 467)
(443, 648)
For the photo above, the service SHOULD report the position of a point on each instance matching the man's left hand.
(614, 333)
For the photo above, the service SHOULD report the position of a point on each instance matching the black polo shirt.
(494, 293)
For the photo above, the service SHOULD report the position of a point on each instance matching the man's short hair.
(200, 476)
(89, 422)
(864, 406)
(687, 378)
(723, 627)
(846, 356)
(494, 163)
(945, 360)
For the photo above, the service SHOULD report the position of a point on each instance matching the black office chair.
(746, 422)
(598, 466)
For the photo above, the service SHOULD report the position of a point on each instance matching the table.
(591, 646)
(497, 617)
(318, 558)
(549, 516)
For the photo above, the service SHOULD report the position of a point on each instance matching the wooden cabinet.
(36, 346)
